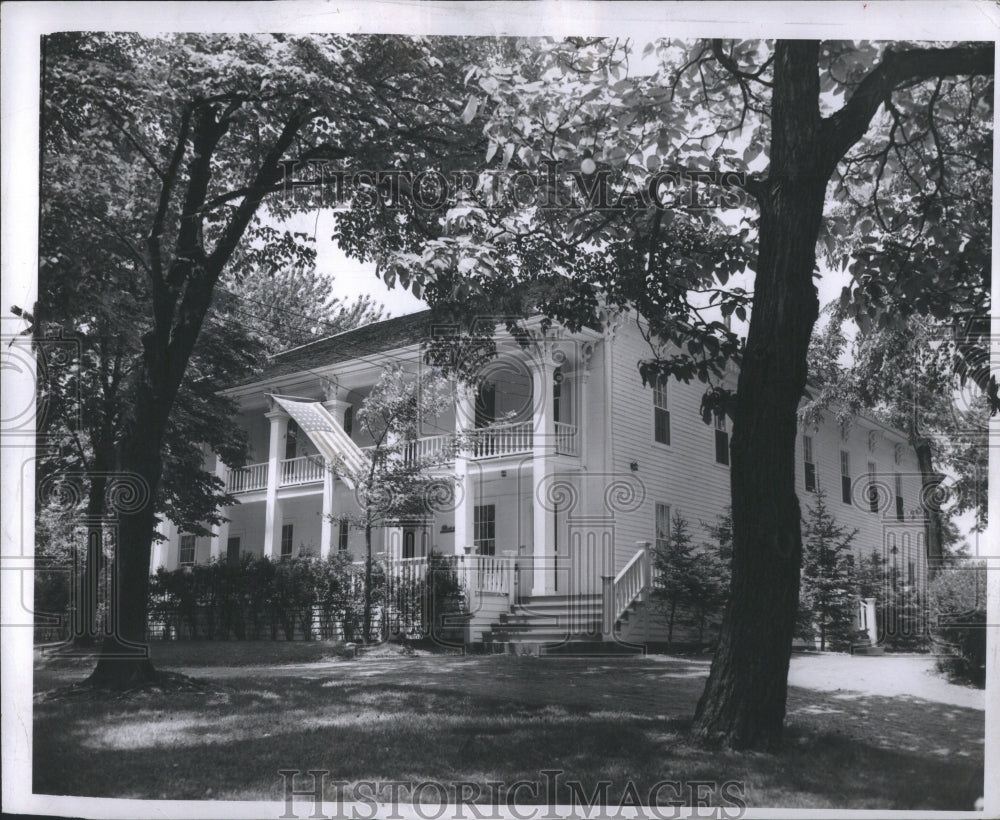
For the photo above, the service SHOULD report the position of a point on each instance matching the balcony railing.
(502, 440)
(247, 479)
(487, 442)
(567, 439)
(301, 470)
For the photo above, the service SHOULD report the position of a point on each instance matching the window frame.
(662, 536)
(290, 529)
(721, 440)
(484, 529)
(872, 489)
(188, 542)
(898, 488)
(661, 411)
(343, 535)
(810, 474)
(845, 477)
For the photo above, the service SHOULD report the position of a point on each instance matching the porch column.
(272, 515)
(464, 487)
(221, 536)
(329, 530)
(543, 447)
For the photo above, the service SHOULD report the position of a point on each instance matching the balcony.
(496, 441)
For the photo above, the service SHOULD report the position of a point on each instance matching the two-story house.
(571, 471)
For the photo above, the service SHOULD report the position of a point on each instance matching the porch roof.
(388, 334)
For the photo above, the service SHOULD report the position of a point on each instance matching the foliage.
(828, 596)
(714, 573)
(958, 612)
(293, 306)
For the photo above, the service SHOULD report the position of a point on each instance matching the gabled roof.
(359, 343)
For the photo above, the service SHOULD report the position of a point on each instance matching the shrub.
(958, 612)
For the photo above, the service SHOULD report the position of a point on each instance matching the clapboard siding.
(686, 476)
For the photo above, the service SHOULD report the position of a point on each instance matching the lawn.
(863, 732)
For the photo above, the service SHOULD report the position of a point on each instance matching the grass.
(457, 719)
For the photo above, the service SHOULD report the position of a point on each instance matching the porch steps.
(553, 625)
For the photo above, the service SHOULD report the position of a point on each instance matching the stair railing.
(621, 591)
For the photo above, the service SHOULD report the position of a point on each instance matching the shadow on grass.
(496, 721)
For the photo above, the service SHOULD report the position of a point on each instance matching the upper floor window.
(721, 439)
(287, 535)
(872, 489)
(557, 380)
(845, 476)
(662, 526)
(486, 404)
(292, 439)
(661, 413)
(899, 497)
(809, 463)
(187, 549)
(349, 420)
(342, 535)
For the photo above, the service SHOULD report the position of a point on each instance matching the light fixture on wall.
(634, 466)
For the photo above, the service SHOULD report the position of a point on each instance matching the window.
(721, 440)
(872, 489)
(557, 380)
(342, 535)
(662, 526)
(187, 549)
(810, 465)
(486, 404)
(899, 497)
(845, 476)
(287, 534)
(661, 415)
(911, 571)
(233, 551)
(291, 439)
(484, 528)
(349, 420)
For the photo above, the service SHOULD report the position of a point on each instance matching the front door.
(233, 551)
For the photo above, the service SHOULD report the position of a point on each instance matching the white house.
(574, 469)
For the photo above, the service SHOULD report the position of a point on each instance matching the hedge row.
(301, 598)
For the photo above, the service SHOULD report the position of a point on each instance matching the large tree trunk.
(929, 479)
(124, 661)
(743, 705)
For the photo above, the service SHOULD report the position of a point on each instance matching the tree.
(714, 575)
(176, 142)
(677, 569)
(398, 484)
(828, 598)
(293, 306)
(757, 120)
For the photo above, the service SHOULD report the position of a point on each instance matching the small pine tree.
(676, 565)
(828, 597)
(716, 557)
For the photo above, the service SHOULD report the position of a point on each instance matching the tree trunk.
(929, 478)
(743, 705)
(88, 581)
(366, 618)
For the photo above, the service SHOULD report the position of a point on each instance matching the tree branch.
(848, 125)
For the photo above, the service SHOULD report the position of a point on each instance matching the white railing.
(475, 573)
(247, 479)
(567, 439)
(502, 440)
(301, 470)
(625, 587)
(426, 448)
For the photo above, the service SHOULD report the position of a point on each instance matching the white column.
(465, 488)
(272, 515)
(329, 529)
(543, 446)
(221, 536)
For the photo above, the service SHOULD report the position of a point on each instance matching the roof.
(359, 343)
